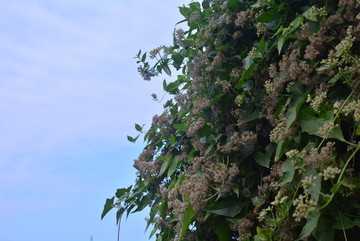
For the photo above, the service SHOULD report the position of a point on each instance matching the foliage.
(260, 140)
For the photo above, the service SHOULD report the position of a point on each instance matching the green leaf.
(138, 54)
(138, 127)
(221, 228)
(297, 22)
(188, 42)
(248, 62)
(343, 222)
(143, 57)
(269, 16)
(236, 190)
(172, 87)
(109, 204)
(262, 159)
(154, 96)
(358, 130)
(245, 75)
(315, 188)
(324, 231)
(256, 201)
(180, 127)
(131, 139)
(310, 225)
(281, 147)
(172, 140)
(122, 191)
(222, 48)
(227, 208)
(189, 215)
(165, 165)
(210, 148)
(167, 70)
(177, 60)
(357, 222)
(172, 167)
(280, 43)
(336, 187)
(239, 99)
(288, 171)
(314, 27)
(234, 5)
(311, 124)
(264, 234)
(293, 111)
(184, 11)
(309, 16)
(253, 116)
(119, 214)
(262, 45)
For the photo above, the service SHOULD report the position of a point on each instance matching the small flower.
(290, 87)
(317, 13)
(237, 35)
(260, 28)
(326, 129)
(253, 53)
(291, 153)
(316, 102)
(269, 87)
(357, 114)
(303, 206)
(330, 172)
(307, 182)
(308, 99)
(279, 199)
(278, 133)
(263, 213)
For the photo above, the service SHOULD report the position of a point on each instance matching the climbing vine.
(261, 138)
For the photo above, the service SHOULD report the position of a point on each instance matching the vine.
(261, 138)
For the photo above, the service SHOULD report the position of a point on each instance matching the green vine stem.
(340, 177)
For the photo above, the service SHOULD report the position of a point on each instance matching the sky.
(69, 95)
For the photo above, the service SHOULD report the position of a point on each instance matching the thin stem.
(340, 177)
(118, 233)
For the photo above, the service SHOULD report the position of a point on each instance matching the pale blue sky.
(69, 95)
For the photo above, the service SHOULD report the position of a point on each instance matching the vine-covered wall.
(261, 138)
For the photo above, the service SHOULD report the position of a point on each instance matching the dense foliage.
(261, 138)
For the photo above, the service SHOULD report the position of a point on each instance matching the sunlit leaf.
(264, 234)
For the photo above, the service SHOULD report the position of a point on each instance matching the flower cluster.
(304, 205)
(330, 172)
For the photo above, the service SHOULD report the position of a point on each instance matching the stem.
(340, 177)
(338, 113)
(118, 233)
